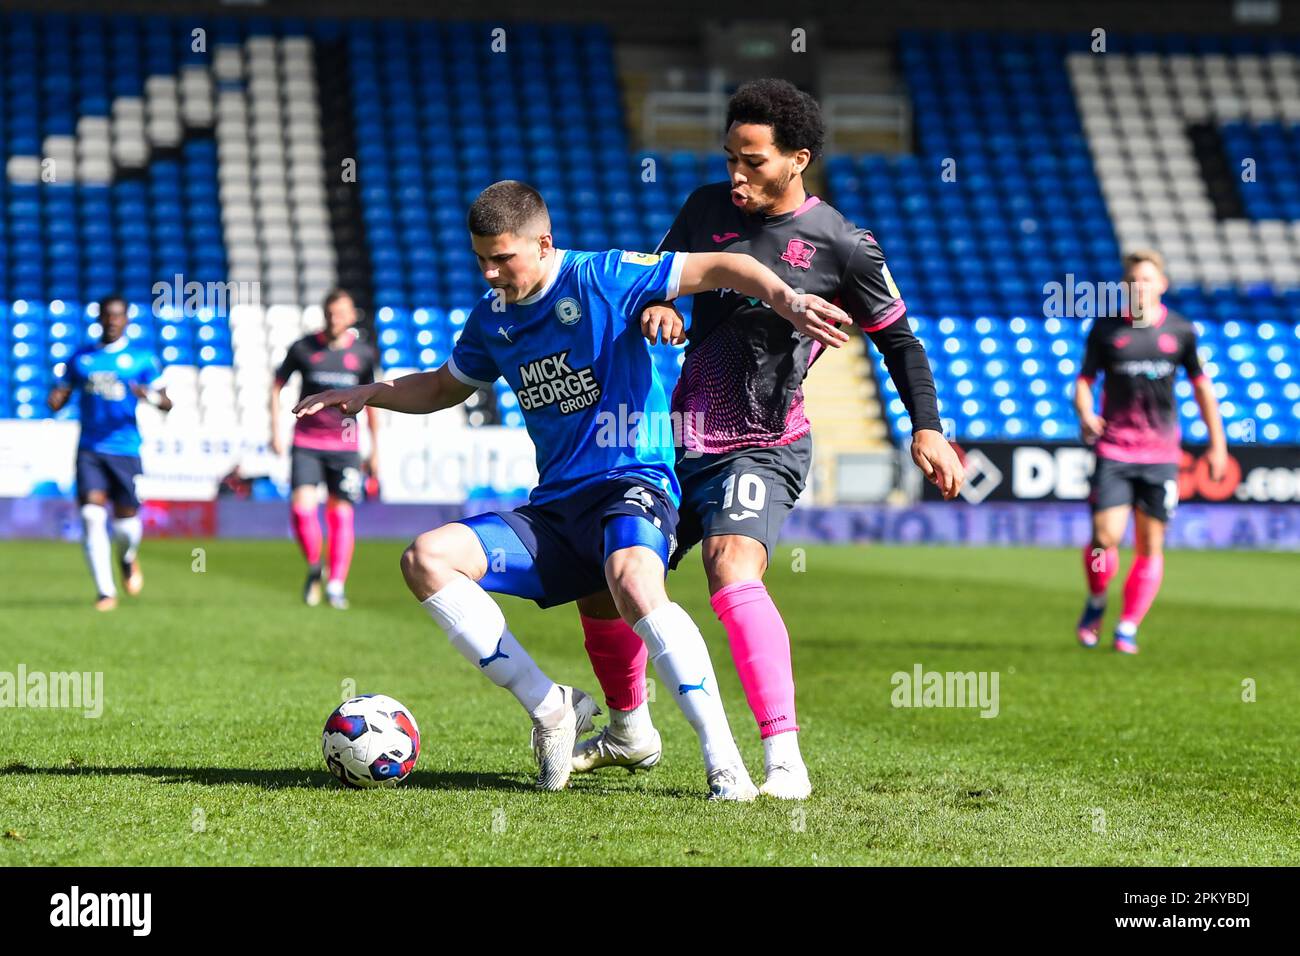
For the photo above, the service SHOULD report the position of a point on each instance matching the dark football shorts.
(554, 553)
(113, 474)
(748, 492)
(340, 470)
(1153, 488)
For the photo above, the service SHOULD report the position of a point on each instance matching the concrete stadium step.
(840, 399)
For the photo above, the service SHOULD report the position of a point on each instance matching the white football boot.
(731, 783)
(608, 749)
(553, 745)
(585, 707)
(787, 781)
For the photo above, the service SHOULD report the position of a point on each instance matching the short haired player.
(110, 378)
(561, 328)
(326, 447)
(1137, 438)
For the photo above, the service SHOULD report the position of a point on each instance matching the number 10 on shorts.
(746, 491)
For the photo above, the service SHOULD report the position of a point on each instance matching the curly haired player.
(747, 445)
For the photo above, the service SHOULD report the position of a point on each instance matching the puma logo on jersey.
(505, 333)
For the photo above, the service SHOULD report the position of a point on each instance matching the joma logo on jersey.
(552, 381)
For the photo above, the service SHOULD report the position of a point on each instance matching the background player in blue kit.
(109, 379)
(562, 329)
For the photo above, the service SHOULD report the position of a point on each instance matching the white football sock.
(477, 628)
(99, 550)
(126, 535)
(631, 724)
(682, 662)
(335, 588)
(1126, 629)
(782, 749)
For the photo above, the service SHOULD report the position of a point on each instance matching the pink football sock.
(339, 518)
(1140, 589)
(306, 528)
(1099, 566)
(760, 646)
(618, 656)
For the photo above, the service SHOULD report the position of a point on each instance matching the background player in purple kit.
(109, 379)
(326, 446)
(746, 446)
(1137, 438)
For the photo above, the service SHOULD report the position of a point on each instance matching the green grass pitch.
(217, 684)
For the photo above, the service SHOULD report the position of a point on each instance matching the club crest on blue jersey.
(568, 311)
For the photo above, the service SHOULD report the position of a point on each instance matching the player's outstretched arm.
(417, 394)
(810, 314)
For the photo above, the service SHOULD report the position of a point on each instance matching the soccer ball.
(371, 741)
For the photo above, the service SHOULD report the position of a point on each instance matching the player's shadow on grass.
(276, 779)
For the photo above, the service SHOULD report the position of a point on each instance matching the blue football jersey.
(101, 376)
(574, 356)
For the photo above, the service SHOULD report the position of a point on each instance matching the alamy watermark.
(631, 428)
(1081, 299)
(75, 908)
(922, 688)
(70, 690)
(192, 298)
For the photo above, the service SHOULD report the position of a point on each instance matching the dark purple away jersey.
(322, 368)
(1140, 363)
(741, 384)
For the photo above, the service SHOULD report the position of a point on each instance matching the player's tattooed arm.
(810, 314)
(417, 394)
